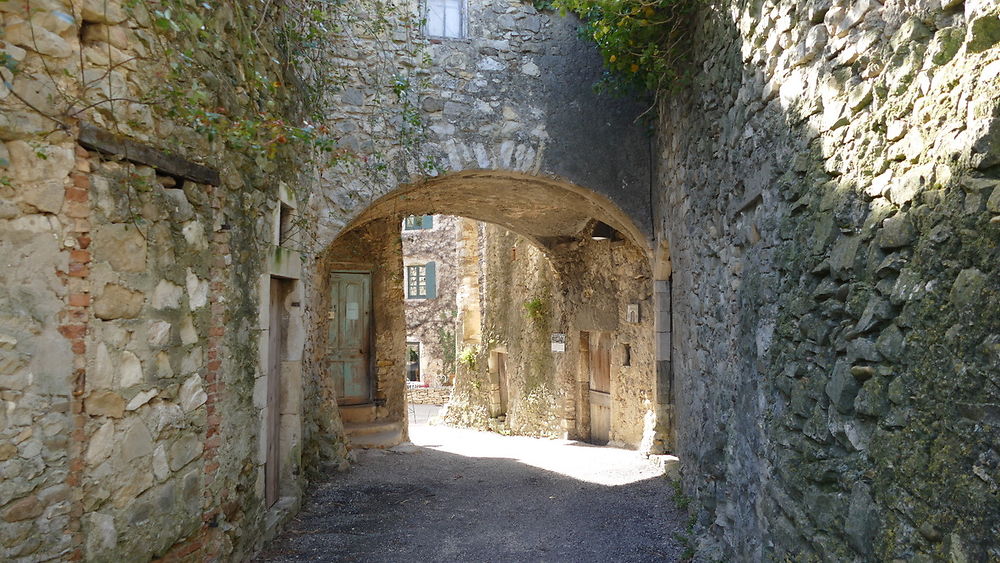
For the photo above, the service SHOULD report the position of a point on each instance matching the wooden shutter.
(431, 280)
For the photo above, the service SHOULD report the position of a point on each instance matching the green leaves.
(643, 42)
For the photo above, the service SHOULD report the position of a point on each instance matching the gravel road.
(462, 495)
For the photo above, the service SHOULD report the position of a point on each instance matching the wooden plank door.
(275, 352)
(349, 338)
(600, 387)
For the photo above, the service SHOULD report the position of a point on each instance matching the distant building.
(430, 282)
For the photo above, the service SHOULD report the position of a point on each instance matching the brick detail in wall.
(74, 322)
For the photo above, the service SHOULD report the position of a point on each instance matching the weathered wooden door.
(350, 312)
(600, 387)
(275, 352)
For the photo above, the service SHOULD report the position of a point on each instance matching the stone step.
(374, 435)
(357, 413)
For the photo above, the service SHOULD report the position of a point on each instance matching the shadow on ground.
(421, 504)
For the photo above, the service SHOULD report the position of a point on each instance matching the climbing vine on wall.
(643, 42)
(249, 84)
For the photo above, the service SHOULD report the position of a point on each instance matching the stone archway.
(595, 287)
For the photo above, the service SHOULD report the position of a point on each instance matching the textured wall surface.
(829, 193)
(431, 322)
(527, 295)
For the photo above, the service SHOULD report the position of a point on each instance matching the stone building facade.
(812, 243)
(429, 256)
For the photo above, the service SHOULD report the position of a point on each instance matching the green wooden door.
(349, 338)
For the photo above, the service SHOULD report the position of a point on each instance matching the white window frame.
(442, 5)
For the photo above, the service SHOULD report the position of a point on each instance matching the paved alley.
(463, 495)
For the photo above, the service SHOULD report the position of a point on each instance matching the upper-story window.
(420, 281)
(444, 18)
(418, 222)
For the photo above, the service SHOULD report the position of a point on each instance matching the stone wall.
(432, 322)
(526, 295)
(130, 306)
(829, 195)
(428, 395)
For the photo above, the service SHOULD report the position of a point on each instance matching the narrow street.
(464, 495)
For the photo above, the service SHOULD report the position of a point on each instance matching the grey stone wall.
(515, 94)
(829, 187)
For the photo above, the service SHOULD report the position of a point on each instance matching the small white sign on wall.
(558, 342)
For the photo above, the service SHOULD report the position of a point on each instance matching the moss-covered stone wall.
(829, 194)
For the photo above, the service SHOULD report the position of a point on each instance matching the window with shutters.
(444, 18)
(420, 282)
(418, 223)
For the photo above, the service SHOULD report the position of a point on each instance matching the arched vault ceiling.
(545, 210)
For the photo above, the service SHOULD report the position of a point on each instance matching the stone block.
(102, 11)
(137, 442)
(122, 246)
(842, 388)
(46, 197)
(191, 394)
(968, 288)
(100, 533)
(117, 302)
(101, 444)
(39, 163)
(862, 520)
(896, 232)
(129, 370)
(184, 450)
(104, 403)
(24, 509)
(872, 399)
(984, 33)
(33, 36)
(167, 295)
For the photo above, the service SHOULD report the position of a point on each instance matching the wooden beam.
(93, 137)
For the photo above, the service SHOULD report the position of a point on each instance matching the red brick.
(73, 331)
(212, 467)
(217, 331)
(79, 299)
(80, 256)
(78, 270)
(76, 209)
(79, 347)
(76, 194)
(214, 365)
(80, 180)
(82, 152)
(76, 316)
(83, 241)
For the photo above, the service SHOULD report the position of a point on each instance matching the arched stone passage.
(546, 210)
(600, 291)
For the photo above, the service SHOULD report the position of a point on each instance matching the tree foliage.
(643, 42)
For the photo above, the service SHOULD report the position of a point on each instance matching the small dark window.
(413, 361)
(626, 355)
(284, 224)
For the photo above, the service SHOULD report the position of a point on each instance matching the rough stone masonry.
(828, 187)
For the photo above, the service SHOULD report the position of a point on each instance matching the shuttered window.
(418, 222)
(420, 281)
